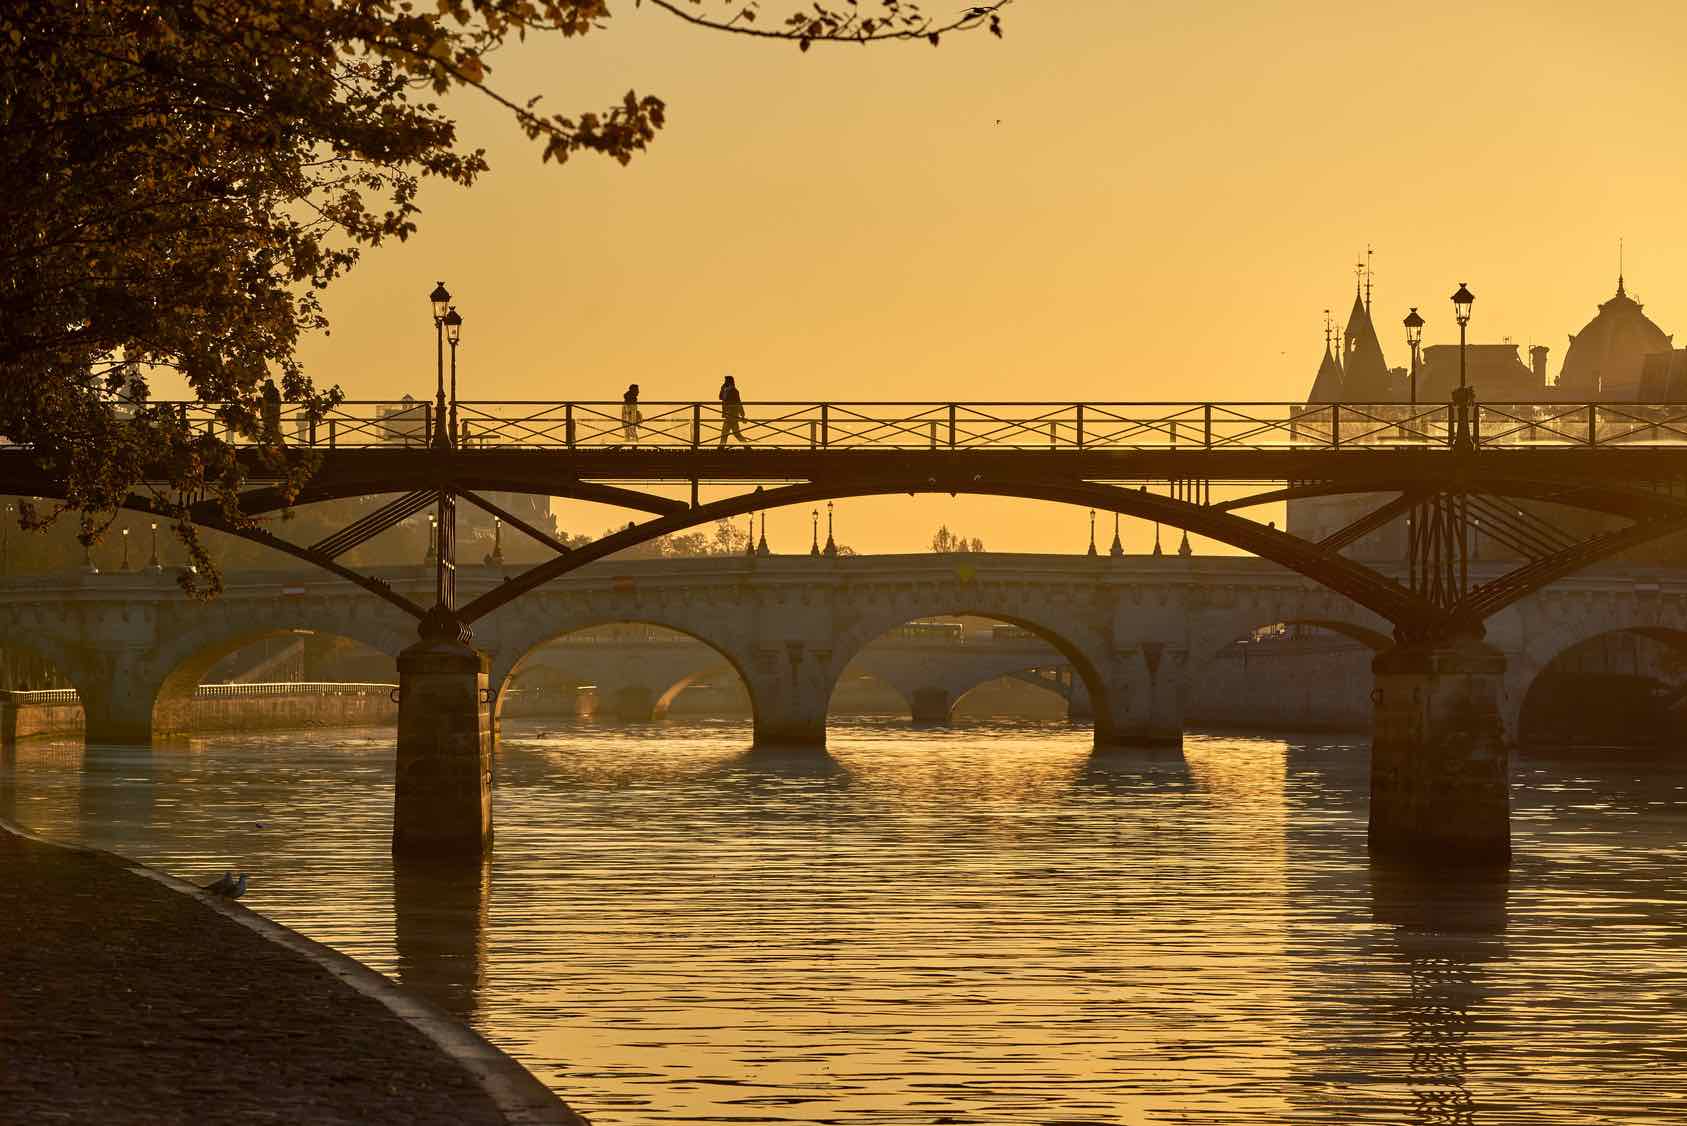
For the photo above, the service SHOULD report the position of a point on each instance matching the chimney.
(1537, 363)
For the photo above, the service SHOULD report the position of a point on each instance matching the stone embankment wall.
(1317, 685)
(280, 713)
(370, 706)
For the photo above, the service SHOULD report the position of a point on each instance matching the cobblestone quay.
(122, 1000)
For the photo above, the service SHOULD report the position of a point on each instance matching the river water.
(987, 924)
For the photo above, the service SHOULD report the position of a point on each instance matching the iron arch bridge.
(1439, 772)
(1447, 469)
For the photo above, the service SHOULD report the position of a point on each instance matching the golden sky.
(1117, 201)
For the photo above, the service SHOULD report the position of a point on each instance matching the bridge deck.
(974, 426)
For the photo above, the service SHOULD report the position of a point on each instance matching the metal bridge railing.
(42, 697)
(283, 688)
(971, 426)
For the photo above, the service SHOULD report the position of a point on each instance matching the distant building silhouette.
(1364, 373)
(1618, 356)
(1606, 357)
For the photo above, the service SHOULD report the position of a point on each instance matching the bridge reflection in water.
(990, 922)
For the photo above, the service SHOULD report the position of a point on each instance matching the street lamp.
(1092, 550)
(831, 544)
(433, 539)
(497, 559)
(153, 564)
(1414, 338)
(125, 565)
(814, 542)
(440, 299)
(1462, 301)
(453, 331)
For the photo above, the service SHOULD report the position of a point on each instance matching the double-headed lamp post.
(1462, 301)
(453, 333)
(440, 299)
(1414, 338)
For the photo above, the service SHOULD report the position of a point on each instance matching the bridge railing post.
(333, 432)
(813, 434)
(427, 424)
(1335, 425)
(934, 434)
(1054, 435)
(696, 425)
(1592, 424)
(951, 425)
(825, 425)
(1078, 440)
(1207, 425)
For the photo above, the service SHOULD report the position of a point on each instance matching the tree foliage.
(183, 178)
(944, 541)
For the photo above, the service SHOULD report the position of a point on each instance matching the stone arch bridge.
(1136, 631)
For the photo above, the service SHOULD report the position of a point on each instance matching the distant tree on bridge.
(183, 177)
(944, 541)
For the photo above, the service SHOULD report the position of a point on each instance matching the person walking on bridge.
(630, 416)
(270, 398)
(731, 413)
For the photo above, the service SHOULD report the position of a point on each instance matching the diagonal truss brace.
(362, 531)
(515, 521)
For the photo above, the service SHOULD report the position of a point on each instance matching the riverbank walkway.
(122, 1000)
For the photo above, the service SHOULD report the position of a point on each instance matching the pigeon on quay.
(228, 886)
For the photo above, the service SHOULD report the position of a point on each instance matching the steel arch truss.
(1445, 509)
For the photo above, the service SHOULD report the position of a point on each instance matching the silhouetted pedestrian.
(271, 397)
(731, 413)
(630, 416)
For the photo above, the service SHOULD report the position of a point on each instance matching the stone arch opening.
(1043, 693)
(628, 671)
(860, 693)
(1296, 674)
(1618, 688)
(39, 699)
(935, 661)
(279, 677)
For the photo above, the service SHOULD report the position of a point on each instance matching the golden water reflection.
(985, 924)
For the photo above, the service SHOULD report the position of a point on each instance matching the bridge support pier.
(1440, 773)
(119, 720)
(631, 703)
(931, 705)
(442, 795)
(1145, 698)
(1079, 709)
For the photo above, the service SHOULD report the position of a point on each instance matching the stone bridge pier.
(1440, 769)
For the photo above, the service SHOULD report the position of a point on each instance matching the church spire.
(1620, 292)
(1364, 372)
(1326, 385)
(1368, 276)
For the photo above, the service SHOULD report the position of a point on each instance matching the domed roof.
(1604, 358)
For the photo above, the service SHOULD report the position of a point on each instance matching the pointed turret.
(1364, 373)
(1326, 387)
